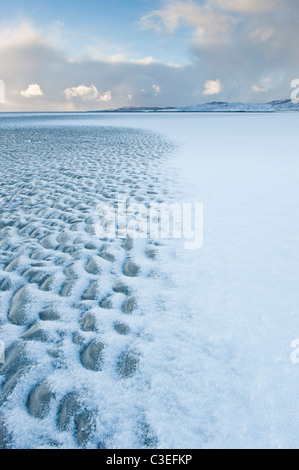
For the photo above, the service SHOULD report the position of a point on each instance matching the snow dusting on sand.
(114, 343)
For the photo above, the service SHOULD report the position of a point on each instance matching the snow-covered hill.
(218, 106)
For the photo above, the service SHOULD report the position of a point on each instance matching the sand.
(69, 299)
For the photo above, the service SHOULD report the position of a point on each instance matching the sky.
(104, 54)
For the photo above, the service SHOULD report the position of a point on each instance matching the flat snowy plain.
(211, 337)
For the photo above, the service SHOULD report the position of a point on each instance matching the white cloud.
(116, 58)
(259, 89)
(145, 61)
(209, 26)
(265, 87)
(20, 35)
(86, 93)
(247, 6)
(212, 87)
(32, 91)
(157, 90)
(262, 33)
(106, 97)
(23, 34)
(214, 22)
(96, 54)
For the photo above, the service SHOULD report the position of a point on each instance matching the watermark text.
(2, 352)
(153, 221)
(295, 93)
(2, 92)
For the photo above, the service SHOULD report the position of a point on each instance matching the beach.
(116, 342)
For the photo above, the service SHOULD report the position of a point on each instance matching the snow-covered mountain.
(219, 106)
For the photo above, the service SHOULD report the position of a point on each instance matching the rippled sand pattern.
(72, 313)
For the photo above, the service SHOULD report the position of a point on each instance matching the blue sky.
(113, 22)
(73, 55)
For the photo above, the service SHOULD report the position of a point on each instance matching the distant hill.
(216, 107)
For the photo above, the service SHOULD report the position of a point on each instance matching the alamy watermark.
(2, 352)
(295, 93)
(154, 221)
(2, 92)
(295, 354)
